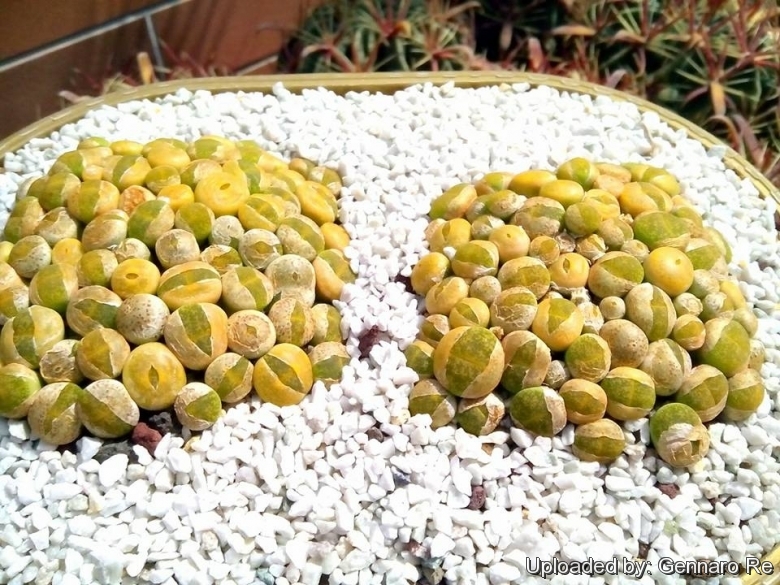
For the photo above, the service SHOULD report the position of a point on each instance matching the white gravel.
(284, 496)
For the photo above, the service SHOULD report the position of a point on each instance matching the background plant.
(715, 62)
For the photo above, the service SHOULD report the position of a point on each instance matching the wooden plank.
(29, 24)
(30, 90)
(230, 33)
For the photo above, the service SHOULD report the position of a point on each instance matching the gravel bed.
(345, 488)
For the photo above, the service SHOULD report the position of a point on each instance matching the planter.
(456, 447)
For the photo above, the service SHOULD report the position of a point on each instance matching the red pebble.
(146, 436)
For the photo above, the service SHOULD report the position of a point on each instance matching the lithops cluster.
(590, 295)
(166, 274)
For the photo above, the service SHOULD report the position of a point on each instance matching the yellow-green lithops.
(443, 296)
(332, 272)
(668, 364)
(419, 357)
(191, 282)
(514, 309)
(250, 333)
(651, 309)
(470, 311)
(153, 376)
(429, 271)
(300, 235)
(92, 307)
(602, 441)
(557, 323)
(468, 361)
(527, 360)
(284, 375)
(29, 255)
(429, 397)
(745, 395)
(614, 274)
(527, 272)
(480, 416)
(246, 288)
(589, 358)
(230, 375)
(454, 202)
(293, 321)
(96, 268)
(539, 410)
(726, 346)
(327, 361)
(102, 353)
(18, 386)
(585, 401)
(150, 220)
(705, 390)
(29, 335)
(628, 344)
(630, 393)
(197, 406)
(293, 277)
(106, 409)
(678, 435)
(197, 334)
(475, 259)
(52, 414)
(327, 323)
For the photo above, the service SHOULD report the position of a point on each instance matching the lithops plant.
(615, 274)
(514, 309)
(630, 393)
(628, 345)
(106, 409)
(419, 357)
(470, 311)
(197, 406)
(480, 416)
(668, 364)
(52, 415)
(431, 398)
(58, 364)
(284, 375)
(678, 435)
(745, 395)
(601, 440)
(251, 334)
(589, 358)
(328, 360)
(527, 361)
(102, 354)
(293, 276)
(18, 384)
(726, 346)
(539, 410)
(30, 334)
(141, 318)
(705, 390)
(230, 375)
(585, 401)
(557, 323)
(153, 376)
(468, 362)
(197, 333)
